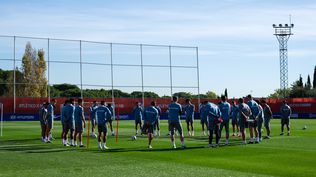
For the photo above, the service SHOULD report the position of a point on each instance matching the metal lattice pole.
(283, 33)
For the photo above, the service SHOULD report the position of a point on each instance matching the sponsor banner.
(35, 117)
(20, 117)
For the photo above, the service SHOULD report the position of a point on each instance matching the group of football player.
(246, 113)
(243, 114)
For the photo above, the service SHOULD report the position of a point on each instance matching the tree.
(27, 69)
(211, 95)
(297, 89)
(54, 92)
(40, 71)
(308, 84)
(19, 88)
(300, 82)
(66, 90)
(151, 95)
(136, 94)
(203, 96)
(225, 93)
(120, 94)
(183, 95)
(33, 70)
(278, 93)
(4, 85)
(314, 81)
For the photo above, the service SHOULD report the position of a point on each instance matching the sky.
(237, 48)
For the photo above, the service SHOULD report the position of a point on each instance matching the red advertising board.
(32, 105)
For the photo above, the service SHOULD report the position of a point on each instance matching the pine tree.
(314, 81)
(225, 93)
(308, 83)
(300, 82)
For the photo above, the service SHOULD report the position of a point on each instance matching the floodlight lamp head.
(286, 25)
(280, 25)
(274, 25)
(292, 25)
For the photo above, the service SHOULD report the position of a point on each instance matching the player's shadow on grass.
(28, 146)
(118, 150)
(19, 141)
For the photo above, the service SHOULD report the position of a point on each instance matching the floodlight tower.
(283, 33)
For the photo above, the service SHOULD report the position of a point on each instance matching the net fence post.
(198, 74)
(170, 64)
(81, 91)
(14, 76)
(142, 74)
(112, 74)
(1, 107)
(48, 69)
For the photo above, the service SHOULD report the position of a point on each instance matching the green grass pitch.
(23, 154)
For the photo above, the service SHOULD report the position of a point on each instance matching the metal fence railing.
(163, 69)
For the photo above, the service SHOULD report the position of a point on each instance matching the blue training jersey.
(189, 110)
(245, 109)
(69, 113)
(159, 110)
(225, 110)
(254, 109)
(203, 115)
(138, 112)
(235, 111)
(260, 115)
(50, 111)
(103, 114)
(42, 113)
(92, 111)
(174, 113)
(267, 112)
(78, 113)
(212, 112)
(151, 115)
(63, 113)
(286, 111)
(111, 108)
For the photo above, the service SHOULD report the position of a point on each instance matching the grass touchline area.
(23, 154)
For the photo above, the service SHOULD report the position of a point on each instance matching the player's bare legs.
(150, 138)
(75, 138)
(251, 130)
(71, 136)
